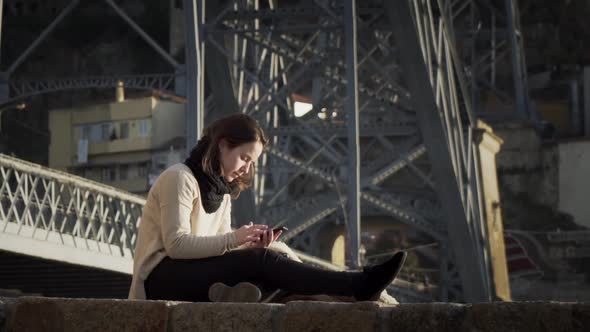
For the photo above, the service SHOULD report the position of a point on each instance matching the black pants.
(190, 279)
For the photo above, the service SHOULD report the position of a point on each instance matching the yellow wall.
(134, 185)
(60, 146)
(168, 122)
(121, 145)
(129, 109)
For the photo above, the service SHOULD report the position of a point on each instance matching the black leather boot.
(376, 278)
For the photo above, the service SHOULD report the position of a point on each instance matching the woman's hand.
(266, 239)
(249, 233)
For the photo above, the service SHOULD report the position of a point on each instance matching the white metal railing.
(44, 204)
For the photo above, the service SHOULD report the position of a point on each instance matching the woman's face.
(237, 161)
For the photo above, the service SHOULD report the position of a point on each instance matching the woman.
(185, 243)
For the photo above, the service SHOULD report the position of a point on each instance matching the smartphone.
(279, 229)
(276, 230)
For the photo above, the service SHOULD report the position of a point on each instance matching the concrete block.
(328, 316)
(60, 314)
(222, 317)
(580, 318)
(428, 317)
(521, 316)
(6, 304)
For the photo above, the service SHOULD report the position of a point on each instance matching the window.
(104, 174)
(123, 172)
(142, 169)
(107, 131)
(108, 174)
(144, 128)
(124, 130)
(85, 132)
(95, 133)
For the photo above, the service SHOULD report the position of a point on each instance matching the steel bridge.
(392, 131)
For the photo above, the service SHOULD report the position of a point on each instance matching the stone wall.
(574, 182)
(528, 177)
(60, 314)
(526, 165)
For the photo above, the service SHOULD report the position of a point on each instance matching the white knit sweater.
(175, 224)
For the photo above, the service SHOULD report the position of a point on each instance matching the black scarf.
(212, 188)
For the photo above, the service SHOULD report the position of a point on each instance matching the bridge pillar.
(488, 146)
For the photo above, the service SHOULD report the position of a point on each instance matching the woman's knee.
(250, 255)
(259, 255)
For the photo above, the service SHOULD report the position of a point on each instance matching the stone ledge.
(61, 314)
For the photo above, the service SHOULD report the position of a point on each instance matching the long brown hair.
(235, 129)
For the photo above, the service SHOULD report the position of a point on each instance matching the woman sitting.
(185, 243)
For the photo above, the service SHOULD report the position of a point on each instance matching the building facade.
(125, 144)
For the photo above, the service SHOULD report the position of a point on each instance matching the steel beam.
(24, 88)
(217, 70)
(143, 34)
(219, 80)
(404, 215)
(194, 73)
(474, 287)
(315, 217)
(369, 130)
(1, 30)
(65, 12)
(301, 164)
(518, 65)
(353, 220)
(395, 166)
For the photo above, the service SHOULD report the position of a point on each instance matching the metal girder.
(474, 283)
(1, 20)
(518, 59)
(390, 129)
(217, 70)
(298, 171)
(490, 32)
(389, 95)
(195, 90)
(395, 166)
(412, 218)
(353, 216)
(143, 34)
(25, 88)
(65, 12)
(275, 97)
(310, 221)
(275, 13)
(333, 76)
(301, 164)
(404, 214)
